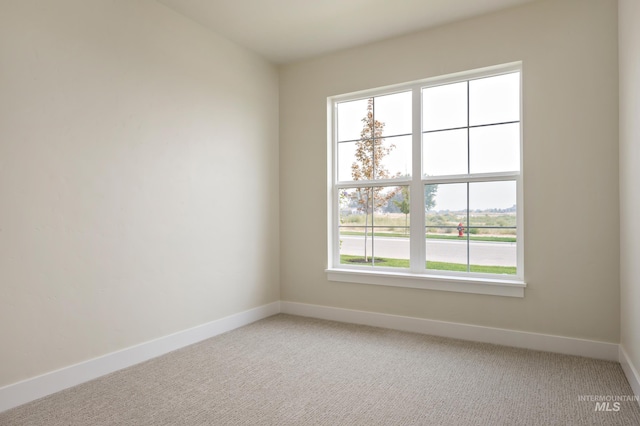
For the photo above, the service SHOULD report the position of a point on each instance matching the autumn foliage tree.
(370, 150)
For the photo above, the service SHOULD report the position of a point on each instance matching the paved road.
(480, 252)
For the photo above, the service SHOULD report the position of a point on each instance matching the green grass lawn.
(439, 266)
(505, 239)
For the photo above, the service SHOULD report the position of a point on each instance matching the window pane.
(387, 158)
(444, 107)
(354, 250)
(397, 211)
(374, 156)
(493, 221)
(350, 115)
(346, 157)
(492, 196)
(494, 99)
(446, 218)
(394, 156)
(374, 226)
(394, 112)
(356, 216)
(495, 148)
(444, 153)
(492, 257)
(391, 227)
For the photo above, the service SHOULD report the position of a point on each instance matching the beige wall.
(630, 178)
(130, 138)
(138, 179)
(570, 119)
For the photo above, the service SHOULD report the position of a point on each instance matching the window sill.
(495, 287)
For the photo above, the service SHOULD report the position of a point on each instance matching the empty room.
(342, 212)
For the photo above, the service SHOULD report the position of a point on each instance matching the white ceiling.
(288, 30)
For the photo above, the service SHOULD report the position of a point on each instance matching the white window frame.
(415, 276)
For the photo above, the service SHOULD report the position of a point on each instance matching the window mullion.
(478, 177)
(333, 201)
(373, 176)
(416, 190)
(469, 172)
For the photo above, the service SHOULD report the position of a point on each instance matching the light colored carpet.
(288, 370)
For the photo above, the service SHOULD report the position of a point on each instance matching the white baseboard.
(46, 384)
(630, 371)
(31, 389)
(519, 339)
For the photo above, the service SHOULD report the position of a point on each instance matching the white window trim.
(415, 277)
(511, 288)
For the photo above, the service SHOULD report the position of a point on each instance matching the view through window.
(427, 177)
